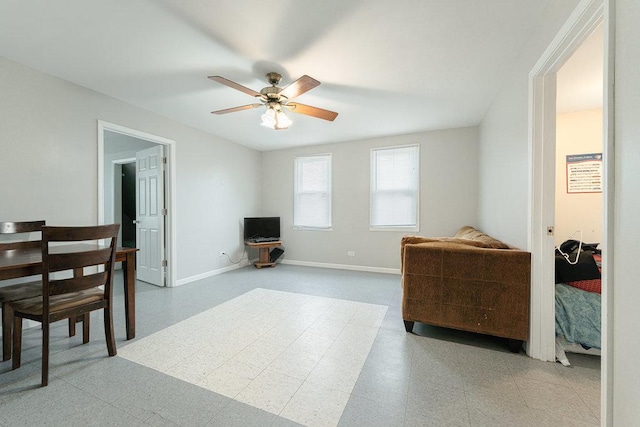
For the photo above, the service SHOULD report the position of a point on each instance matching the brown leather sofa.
(470, 282)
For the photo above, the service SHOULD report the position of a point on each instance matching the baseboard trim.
(242, 264)
(344, 266)
(211, 273)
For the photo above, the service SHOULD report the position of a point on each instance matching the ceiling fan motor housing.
(274, 78)
(273, 93)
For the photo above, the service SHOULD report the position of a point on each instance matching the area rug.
(294, 355)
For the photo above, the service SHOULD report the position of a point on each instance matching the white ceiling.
(386, 67)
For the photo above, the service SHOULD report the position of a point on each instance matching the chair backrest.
(17, 228)
(85, 252)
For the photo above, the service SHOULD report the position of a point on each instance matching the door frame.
(170, 185)
(542, 161)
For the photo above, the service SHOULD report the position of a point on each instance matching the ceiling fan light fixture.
(275, 119)
(282, 121)
(269, 118)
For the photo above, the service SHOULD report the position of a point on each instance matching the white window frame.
(327, 193)
(373, 182)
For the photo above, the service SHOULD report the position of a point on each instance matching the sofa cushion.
(412, 240)
(470, 233)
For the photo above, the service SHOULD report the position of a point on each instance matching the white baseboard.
(211, 273)
(344, 266)
(242, 264)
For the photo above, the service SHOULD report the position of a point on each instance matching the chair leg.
(7, 319)
(85, 328)
(45, 353)
(72, 326)
(17, 342)
(108, 331)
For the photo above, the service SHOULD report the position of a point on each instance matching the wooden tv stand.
(263, 252)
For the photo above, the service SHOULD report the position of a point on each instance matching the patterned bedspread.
(578, 315)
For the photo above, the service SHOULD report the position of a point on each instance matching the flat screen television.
(262, 228)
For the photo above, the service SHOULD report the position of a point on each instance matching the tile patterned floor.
(294, 355)
(435, 376)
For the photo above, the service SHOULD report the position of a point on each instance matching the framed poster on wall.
(584, 173)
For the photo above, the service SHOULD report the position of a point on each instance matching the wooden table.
(264, 259)
(23, 263)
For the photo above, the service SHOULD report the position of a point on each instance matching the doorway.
(579, 202)
(128, 204)
(117, 148)
(582, 23)
(587, 16)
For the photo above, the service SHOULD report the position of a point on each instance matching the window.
(312, 197)
(394, 188)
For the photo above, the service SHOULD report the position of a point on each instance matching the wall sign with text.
(584, 173)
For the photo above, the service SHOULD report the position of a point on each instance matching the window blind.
(312, 198)
(394, 187)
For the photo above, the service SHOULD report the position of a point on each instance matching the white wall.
(504, 158)
(448, 193)
(579, 132)
(48, 165)
(626, 288)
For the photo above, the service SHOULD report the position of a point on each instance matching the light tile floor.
(299, 358)
(433, 377)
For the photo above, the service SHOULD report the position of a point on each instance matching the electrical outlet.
(351, 253)
(222, 253)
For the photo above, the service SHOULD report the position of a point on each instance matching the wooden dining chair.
(70, 297)
(21, 290)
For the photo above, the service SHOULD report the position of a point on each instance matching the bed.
(578, 306)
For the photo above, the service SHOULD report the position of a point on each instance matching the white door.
(150, 214)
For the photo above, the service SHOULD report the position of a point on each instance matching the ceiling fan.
(277, 99)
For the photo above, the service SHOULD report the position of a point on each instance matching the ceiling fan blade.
(234, 109)
(300, 86)
(311, 111)
(236, 86)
